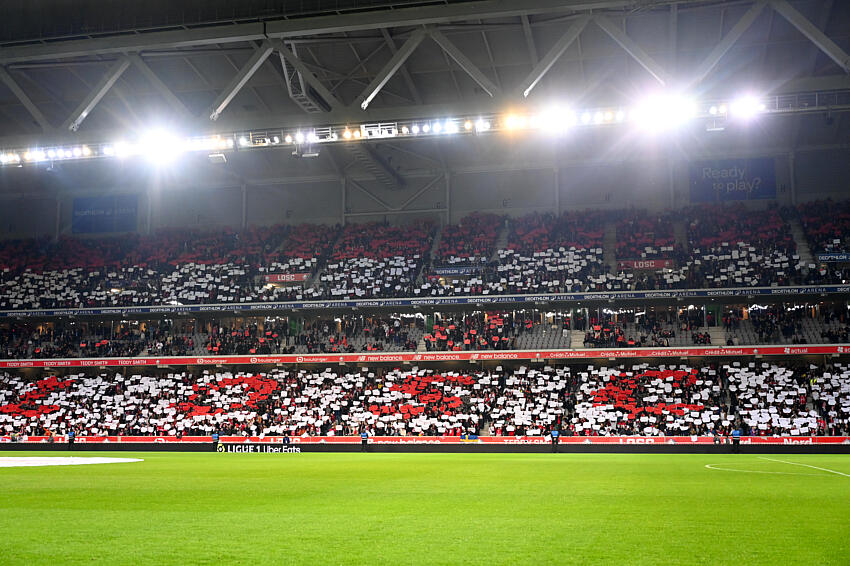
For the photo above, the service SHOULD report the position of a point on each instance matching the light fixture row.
(656, 113)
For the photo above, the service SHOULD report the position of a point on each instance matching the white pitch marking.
(714, 467)
(806, 465)
(33, 461)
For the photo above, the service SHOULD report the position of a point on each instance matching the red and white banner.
(287, 277)
(417, 357)
(644, 263)
(654, 440)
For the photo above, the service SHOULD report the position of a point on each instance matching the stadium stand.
(398, 332)
(375, 260)
(727, 247)
(641, 399)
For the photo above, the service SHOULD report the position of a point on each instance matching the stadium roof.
(85, 70)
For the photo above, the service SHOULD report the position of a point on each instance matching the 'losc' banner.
(733, 179)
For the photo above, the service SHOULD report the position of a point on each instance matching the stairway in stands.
(576, 339)
(609, 246)
(435, 246)
(501, 241)
(718, 335)
(803, 249)
(680, 233)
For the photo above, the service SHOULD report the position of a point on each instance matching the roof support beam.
(725, 44)
(553, 55)
(393, 65)
(369, 194)
(405, 74)
(464, 62)
(19, 93)
(242, 77)
(529, 40)
(814, 34)
(633, 49)
(418, 193)
(163, 89)
(307, 74)
(303, 27)
(86, 106)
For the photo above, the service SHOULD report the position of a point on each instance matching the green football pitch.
(428, 509)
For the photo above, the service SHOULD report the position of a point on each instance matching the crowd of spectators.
(727, 246)
(827, 225)
(375, 260)
(757, 398)
(527, 329)
(645, 235)
(470, 242)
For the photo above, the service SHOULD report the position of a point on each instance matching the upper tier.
(704, 247)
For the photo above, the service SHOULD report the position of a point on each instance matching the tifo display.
(725, 247)
(755, 398)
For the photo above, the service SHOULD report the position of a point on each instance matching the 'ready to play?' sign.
(733, 179)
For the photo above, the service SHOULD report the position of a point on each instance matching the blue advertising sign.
(834, 256)
(457, 270)
(725, 180)
(98, 215)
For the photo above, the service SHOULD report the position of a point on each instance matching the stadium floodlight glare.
(515, 121)
(346, 134)
(482, 125)
(555, 120)
(299, 137)
(664, 112)
(426, 128)
(451, 127)
(415, 128)
(161, 147)
(437, 127)
(746, 107)
(405, 130)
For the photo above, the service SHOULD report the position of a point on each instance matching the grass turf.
(427, 509)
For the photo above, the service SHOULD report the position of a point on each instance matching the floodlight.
(299, 137)
(438, 127)
(161, 147)
(664, 112)
(415, 129)
(747, 107)
(556, 120)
